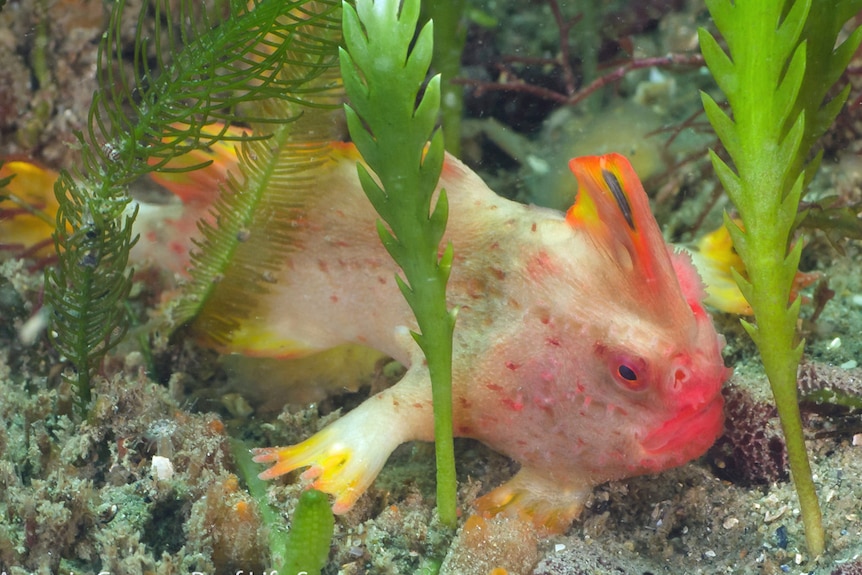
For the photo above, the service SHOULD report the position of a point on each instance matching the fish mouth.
(693, 430)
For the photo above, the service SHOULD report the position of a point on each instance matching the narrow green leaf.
(788, 89)
(786, 157)
(720, 62)
(790, 30)
(722, 12)
(824, 117)
(724, 127)
(728, 179)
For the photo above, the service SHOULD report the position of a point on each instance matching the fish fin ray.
(613, 209)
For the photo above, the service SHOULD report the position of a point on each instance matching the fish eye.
(632, 375)
(627, 373)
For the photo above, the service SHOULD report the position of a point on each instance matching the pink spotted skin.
(581, 347)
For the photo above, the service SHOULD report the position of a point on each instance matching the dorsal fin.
(613, 209)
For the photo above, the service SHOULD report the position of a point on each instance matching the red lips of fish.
(688, 435)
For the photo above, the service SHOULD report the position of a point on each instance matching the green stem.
(257, 488)
(797, 455)
(776, 96)
(781, 355)
(437, 334)
(450, 34)
(383, 69)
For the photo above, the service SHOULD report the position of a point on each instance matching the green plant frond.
(788, 151)
(363, 138)
(787, 92)
(827, 113)
(792, 25)
(744, 286)
(88, 286)
(238, 257)
(840, 57)
(837, 222)
(722, 124)
(729, 179)
(784, 76)
(752, 330)
(310, 534)
(416, 69)
(376, 195)
(215, 66)
(790, 265)
(789, 207)
(829, 60)
(144, 116)
(722, 14)
(826, 63)
(383, 71)
(718, 60)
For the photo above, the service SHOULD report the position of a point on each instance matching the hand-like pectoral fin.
(344, 458)
(339, 463)
(548, 505)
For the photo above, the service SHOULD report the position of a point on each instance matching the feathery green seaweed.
(194, 69)
(235, 259)
(781, 61)
(383, 69)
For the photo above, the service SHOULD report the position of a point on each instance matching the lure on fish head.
(660, 354)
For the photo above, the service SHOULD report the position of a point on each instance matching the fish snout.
(694, 381)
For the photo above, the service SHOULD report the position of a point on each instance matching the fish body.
(581, 349)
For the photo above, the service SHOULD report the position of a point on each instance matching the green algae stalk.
(305, 547)
(450, 34)
(310, 534)
(781, 60)
(382, 78)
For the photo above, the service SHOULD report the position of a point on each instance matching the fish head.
(656, 371)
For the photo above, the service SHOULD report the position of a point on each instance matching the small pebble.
(162, 468)
(730, 522)
(834, 344)
(851, 364)
(559, 547)
(709, 553)
(857, 439)
(773, 515)
(781, 537)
